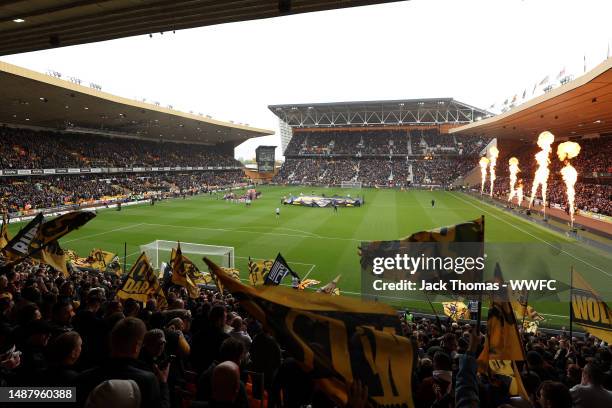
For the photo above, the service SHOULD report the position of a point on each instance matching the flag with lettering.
(142, 284)
(336, 340)
(279, 270)
(19, 247)
(588, 310)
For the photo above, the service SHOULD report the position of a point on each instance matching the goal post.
(159, 252)
(350, 184)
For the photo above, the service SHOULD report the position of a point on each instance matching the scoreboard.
(264, 155)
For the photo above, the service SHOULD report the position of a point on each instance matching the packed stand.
(594, 167)
(28, 149)
(206, 352)
(29, 193)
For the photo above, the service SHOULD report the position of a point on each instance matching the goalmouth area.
(319, 243)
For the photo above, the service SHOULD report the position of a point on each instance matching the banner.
(456, 310)
(258, 270)
(19, 246)
(180, 272)
(279, 270)
(508, 369)
(58, 227)
(322, 201)
(141, 284)
(588, 310)
(336, 340)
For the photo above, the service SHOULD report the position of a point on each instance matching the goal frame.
(351, 184)
(152, 249)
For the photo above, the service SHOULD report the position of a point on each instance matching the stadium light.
(18, 20)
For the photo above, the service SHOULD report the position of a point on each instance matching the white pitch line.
(256, 232)
(103, 233)
(534, 236)
(308, 273)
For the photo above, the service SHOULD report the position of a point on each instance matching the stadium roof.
(30, 25)
(382, 113)
(580, 107)
(29, 98)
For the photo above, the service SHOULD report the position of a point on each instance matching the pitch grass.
(320, 244)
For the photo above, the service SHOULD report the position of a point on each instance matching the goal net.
(159, 252)
(350, 184)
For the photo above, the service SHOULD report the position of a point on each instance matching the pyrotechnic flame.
(493, 153)
(514, 169)
(545, 140)
(484, 162)
(566, 151)
(519, 193)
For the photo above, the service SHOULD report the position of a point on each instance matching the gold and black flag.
(38, 233)
(20, 246)
(439, 249)
(58, 227)
(142, 284)
(181, 270)
(258, 270)
(336, 340)
(279, 270)
(588, 310)
(5, 236)
(54, 256)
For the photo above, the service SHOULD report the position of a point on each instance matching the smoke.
(493, 154)
(545, 141)
(514, 169)
(565, 152)
(484, 162)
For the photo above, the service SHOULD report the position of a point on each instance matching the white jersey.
(277, 210)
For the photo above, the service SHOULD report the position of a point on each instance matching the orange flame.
(484, 162)
(566, 151)
(493, 154)
(514, 169)
(519, 192)
(545, 140)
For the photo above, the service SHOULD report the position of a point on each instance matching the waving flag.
(336, 340)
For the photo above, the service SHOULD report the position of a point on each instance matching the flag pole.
(433, 310)
(124, 256)
(479, 314)
(571, 318)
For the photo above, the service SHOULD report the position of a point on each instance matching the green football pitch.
(319, 244)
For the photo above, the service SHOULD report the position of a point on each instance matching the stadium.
(143, 265)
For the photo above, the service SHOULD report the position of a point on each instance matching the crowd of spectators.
(25, 193)
(207, 352)
(28, 149)
(382, 142)
(593, 164)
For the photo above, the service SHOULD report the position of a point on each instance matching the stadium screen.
(264, 155)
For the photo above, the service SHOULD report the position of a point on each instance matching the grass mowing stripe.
(534, 236)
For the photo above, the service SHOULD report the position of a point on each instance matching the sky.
(479, 52)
